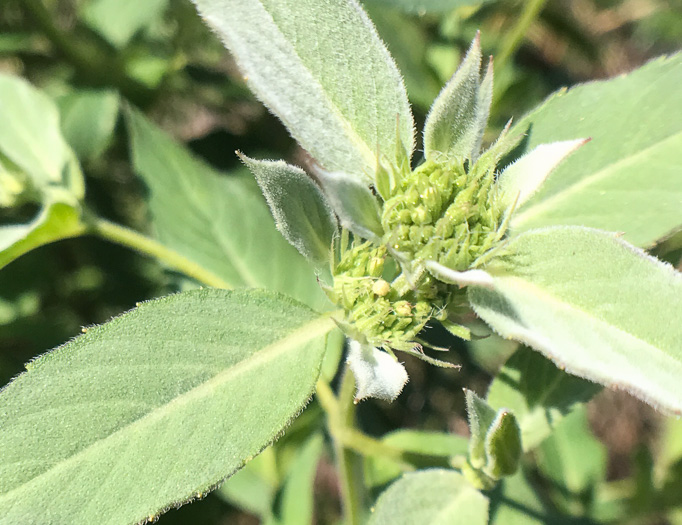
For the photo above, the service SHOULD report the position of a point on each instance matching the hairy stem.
(147, 246)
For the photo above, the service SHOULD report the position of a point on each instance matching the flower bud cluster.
(379, 310)
(445, 213)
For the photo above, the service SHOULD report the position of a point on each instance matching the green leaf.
(572, 457)
(627, 179)
(252, 488)
(538, 393)
(321, 68)
(515, 502)
(456, 122)
(155, 407)
(296, 504)
(88, 119)
(119, 20)
(422, 7)
(56, 221)
(503, 445)
(301, 212)
(30, 137)
(353, 202)
(220, 222)
(422, 448)
(407, 42)
(481, 417)
(431, 497)
(599, 307)
(519, 181)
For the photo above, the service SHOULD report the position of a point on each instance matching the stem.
(131, 239)
(349, 462)
(514, 37)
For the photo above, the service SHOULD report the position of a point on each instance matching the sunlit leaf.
(594, 304)
(628, 178)
(341, 96)
(176, 395)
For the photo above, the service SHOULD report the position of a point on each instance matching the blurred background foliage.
(95, 57)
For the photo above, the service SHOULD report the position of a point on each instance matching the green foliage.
(224, 226)
(631, 342)
(436, 497)
(158, 406)
(112, 401)
(627, 178)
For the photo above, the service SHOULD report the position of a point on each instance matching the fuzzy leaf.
(431, 497)
(298, 205)
(538, 393)
(453, 126)
(628, 178)
(221, 222)
(175, 395)
(599, 307)
(321, 68)
(519, 181)
(503, 445)
(353, 202)
(422, 7)
(481, 417)
(377, 374)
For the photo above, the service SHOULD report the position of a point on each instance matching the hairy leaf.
(299, 207)
(220, 222)
(426, 6)
(321, 68)
(627, 179)
(538, 393)
(599, 307)
(155, 407)
(454, 125)
(353, 202)
(431, 497)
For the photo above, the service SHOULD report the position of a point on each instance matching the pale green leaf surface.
(628, 178)
(481, 417)
(220, 222)
(321, 68)
(353, 202)
(427, 6)
(423, 448)
(88, 118)
(538, 393)
(55, 221)
(301, 212)
(519, 181)
(175, 395)
(377, 374)
(30, 136)
(296, 504)
(594, 304)
(453, 126)
(119, 20)
(572, 457)
(431, 497)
